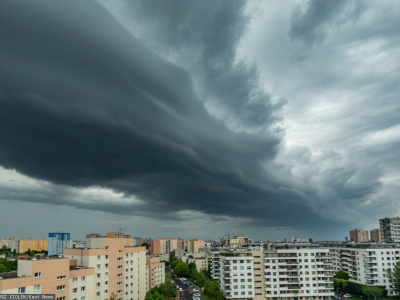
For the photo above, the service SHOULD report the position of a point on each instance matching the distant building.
(57, 242)
(375, 235)
(194, 245)
(390, 230)
(166, 245)
(359, 235)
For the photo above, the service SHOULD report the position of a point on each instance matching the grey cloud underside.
(204, 35)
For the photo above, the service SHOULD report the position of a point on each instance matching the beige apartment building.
(155, 271)
(199, 259)
(21, 246)
(58, 276)
(119, 268)
(111, 266)
(194, 245)
(375, 235)
(359, 235)
(166, 245)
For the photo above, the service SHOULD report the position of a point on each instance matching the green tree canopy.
(394, 278)
(147, 245)
(342, 275)
(3, 268)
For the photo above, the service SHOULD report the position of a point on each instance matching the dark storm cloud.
(205, 34)
(83, 103)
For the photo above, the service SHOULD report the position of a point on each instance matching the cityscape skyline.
(273, 119)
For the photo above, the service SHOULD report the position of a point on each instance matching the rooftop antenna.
(120, 229)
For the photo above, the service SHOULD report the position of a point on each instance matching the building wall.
(47, 276)
(366, 266)
(57, 242)
(359, 235)
(119, 269)
(165, 246)
(156, 272)
(390, 230)
(37, 245)
(375, 235)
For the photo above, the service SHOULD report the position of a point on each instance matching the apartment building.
(366, 265)
(199, 259)
(214, 265)
(359, 235)
(286, 271)
(119, 269)
(155, 271)
(166, 245)
(375, 235)
(390, 230)
(57, 242)
(300, 271)
(237, 275)
(58, 276)
(23, 245)
(194, 245)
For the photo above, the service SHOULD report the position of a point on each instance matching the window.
(105, 283)
(21, 290)
(106, 275)
(119, 267)
(37, 288)
(119, 258)
(98, 284)
(98, 256)
(97, 294)
(82, 288)
(83, 298)
(83, 278)
(61, 277)
(74, 280)
(98, 275)
(38, 274)
(74, 290)
(119, 283)
(98, 266)
(60, 298)
(107, 247)
(60, 287)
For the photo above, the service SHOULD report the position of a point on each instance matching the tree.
(394, 278)
(113, 296)
(182, 269)
(3, 268)
(342, 275)
(154, 295)
(147, 245)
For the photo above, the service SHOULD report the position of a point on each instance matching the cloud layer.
(134, 108)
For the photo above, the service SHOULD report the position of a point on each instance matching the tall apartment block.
(166, 245)
(119, 267)
(390, 230)
(359, 235)
(57, 241)
(285, 272)
(375, 235)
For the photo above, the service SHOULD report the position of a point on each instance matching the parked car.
(346, 296)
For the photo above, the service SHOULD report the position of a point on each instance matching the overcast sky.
(199, 118)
